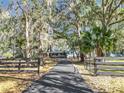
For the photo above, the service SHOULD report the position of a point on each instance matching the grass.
(116, 60)
(9, 87)
(17, 82)
(113, 66)
(104, 84)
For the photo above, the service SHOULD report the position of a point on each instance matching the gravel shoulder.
(104, 84)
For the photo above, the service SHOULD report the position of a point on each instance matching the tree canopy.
(29, 28)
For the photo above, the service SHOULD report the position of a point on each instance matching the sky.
(4, 3)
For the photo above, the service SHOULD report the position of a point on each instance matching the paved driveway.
(63, 78)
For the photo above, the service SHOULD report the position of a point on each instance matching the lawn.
(104, 84)
(116, 60)
(16, 83)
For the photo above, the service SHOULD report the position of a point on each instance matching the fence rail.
(20, 65)
(105, 66)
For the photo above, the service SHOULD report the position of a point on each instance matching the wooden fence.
(20, 65)
(105, 66)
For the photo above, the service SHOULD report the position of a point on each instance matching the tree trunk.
(82, 57)
(27, 39)
(40, 44)
(99, 51)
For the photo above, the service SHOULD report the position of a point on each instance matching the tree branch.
(113, 10)
(116, 22)
(21, 7)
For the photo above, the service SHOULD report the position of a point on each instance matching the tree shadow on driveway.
(62, 79)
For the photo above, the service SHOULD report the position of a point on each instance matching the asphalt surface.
(63, 78)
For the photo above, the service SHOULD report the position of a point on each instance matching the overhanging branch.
(116, 22)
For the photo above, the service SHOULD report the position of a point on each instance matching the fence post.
(41, 59)
(90, 64)
(38, 71)
(95, 66)
(19, 65)
(103, 60)
(85, 62)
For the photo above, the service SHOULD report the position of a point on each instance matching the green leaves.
(97, 35)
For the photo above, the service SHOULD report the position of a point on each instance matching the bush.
(8, 55)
